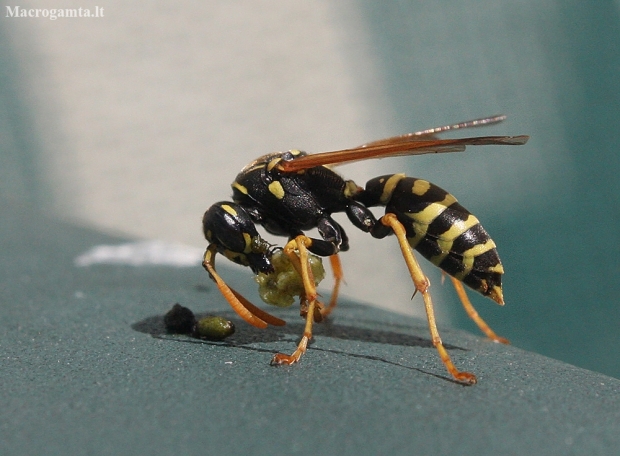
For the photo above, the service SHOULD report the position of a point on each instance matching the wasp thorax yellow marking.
(295, 152)
(273, 163)
(240, 187)
(229, 209)
(351, 189)
(389, 187)
(276, 189)
(420, 187)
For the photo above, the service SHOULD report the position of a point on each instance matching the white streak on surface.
(142, 253)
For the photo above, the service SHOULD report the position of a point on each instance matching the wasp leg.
(469, 308)
(244, 308)
(334, 260)
(422, 285)
(297, 250)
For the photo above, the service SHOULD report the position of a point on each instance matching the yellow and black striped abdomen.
(444, 232)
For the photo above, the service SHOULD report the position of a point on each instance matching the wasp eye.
(287, 156)
(292, 154)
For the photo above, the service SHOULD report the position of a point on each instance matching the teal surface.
(86, 368)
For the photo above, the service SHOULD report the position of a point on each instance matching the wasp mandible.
(291, 192)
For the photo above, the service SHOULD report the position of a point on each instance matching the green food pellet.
(214, 328)
(280, 287)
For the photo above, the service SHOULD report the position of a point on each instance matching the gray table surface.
(87, 368)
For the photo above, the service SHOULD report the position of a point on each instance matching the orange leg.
(469, 308)
(422, 285)
(244, 308)
(334, 261)
(297, 251)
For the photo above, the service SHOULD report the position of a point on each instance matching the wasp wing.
(432, 133)
(397, 146)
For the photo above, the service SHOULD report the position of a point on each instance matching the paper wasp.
(292, 192)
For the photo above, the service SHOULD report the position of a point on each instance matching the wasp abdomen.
(442, 230)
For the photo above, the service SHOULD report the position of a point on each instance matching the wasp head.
(229, 227)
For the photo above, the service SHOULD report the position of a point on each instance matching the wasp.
(289, 193)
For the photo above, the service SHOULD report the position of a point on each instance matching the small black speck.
(180, 320)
